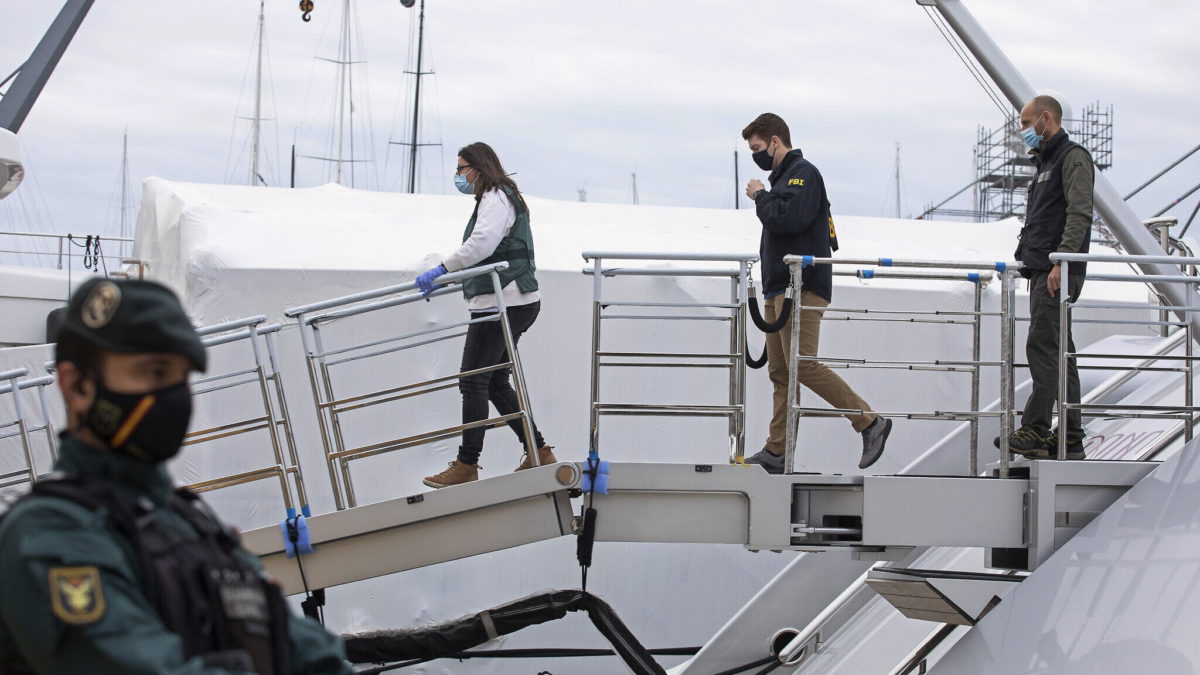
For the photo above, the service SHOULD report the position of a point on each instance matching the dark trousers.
(485, 347)
(1041, 350)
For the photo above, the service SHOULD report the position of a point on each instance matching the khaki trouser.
(821, 380)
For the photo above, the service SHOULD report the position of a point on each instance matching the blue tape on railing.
(806, 260)
(601, 478)
(973, 277)
(306, 511)
(1000, 267)
(885, 262)
(867, 274)
(302, 544)
(291, 512)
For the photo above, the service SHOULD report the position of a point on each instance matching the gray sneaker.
(768, 460)
(874, 438)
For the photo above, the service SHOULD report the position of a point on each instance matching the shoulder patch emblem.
(75, 594)
(796, 181)
(101, 304)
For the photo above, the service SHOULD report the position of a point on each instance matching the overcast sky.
(578, 94)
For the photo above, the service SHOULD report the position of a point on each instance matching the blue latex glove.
(425, 281)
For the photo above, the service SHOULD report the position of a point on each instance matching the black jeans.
(485, 347)
(1041, 350)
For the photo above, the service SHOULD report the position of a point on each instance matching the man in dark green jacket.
(105, 567)
(1058, 218)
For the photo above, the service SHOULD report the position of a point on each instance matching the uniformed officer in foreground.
(107, 568)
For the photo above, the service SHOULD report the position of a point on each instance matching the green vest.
(516, 249)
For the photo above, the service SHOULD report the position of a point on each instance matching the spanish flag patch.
(75, 594)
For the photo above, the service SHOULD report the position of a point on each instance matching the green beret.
(133, 317)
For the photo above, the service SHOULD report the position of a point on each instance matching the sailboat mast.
(256, 123)
(416, 114)
(736, 195)
(897, 179)
(124, 188)
(344, 58)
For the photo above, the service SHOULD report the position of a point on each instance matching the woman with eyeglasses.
(497, 231)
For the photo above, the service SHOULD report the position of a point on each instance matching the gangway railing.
(978, 273)
(22, 427)
(322, 361)
(1186, 367)
(64, 244)
(732, 311)
(273, 416)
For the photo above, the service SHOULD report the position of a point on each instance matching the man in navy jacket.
(796, 221)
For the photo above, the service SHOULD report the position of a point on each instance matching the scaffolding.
(1004, 169)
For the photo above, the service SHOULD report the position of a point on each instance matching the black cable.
(548, 652)
(313, 602)
(770, 668)
(753, 664)
(938, 22)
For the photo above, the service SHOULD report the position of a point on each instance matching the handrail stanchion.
(1064, 330)
(597, 306)
(518, 375)
(793, 390)
(976, 345)
(1189, 384)
(1008, 322)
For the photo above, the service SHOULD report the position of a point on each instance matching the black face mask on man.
(765, 160)
(149, 426)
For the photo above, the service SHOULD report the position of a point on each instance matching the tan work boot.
(456, 473)
(545, 456)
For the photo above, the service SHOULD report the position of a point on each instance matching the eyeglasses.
(463, 168)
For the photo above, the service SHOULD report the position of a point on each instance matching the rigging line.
(273, 174)
(368, 130)
(981, 77)
(1189, 222)
(228, 173)
(966, 61)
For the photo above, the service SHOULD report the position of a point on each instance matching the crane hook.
(306, 7)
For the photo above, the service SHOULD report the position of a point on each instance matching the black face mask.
(149, 426)
(763, 159)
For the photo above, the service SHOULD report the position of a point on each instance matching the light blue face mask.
(465, 187)
(1031, 137)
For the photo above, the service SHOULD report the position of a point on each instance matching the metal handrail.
(1065, 355)
(589, 256)
(62, 239)
(313, 317)
(273, 417)
(978, 273)
(353, 298)
(733, 359)
(13, 384)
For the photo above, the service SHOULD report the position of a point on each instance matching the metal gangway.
(317, 320)
(262, 376)
(731, 311)
(22, 427)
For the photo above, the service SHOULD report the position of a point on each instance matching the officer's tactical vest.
(1046, 213)
(220, 606)
(516, 249)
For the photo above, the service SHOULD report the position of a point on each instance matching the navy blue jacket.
(796, 221)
